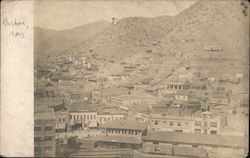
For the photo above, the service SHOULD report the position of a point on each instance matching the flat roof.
(125, 124)
(197, 139)
(117, 139)
(44, 114)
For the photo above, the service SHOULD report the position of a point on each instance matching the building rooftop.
(42, 113)
(118, 139)
(83, 106)
(197, 139)
(126, 124)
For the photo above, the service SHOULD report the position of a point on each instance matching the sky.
(66, 14)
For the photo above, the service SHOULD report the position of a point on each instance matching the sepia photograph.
(141, 79)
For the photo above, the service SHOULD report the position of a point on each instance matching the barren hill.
(204, 23)
(51, 42)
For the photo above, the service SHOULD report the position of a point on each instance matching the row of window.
(83, 117)
(123, 131)
(171, 123)
(212, 124)
(46, 128)
(104, 119)
(46, 138)
(205, 131)
(177, 87)
(61, 119)
(197, 123)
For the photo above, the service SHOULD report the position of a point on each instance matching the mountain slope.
(53, 42)
(204, 23)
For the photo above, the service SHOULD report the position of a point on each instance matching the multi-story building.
(62, 121)
(82, 115)
(159, 122)
(122, 134)
(208, 124)
(172, 87)
(44, 132)
(104, 117)
(205, 124)
(129, 128)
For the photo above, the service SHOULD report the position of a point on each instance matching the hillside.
(204, 23)
(51, 42)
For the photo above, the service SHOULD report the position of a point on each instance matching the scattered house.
(147, 81)
(213, 48)
(129, 68)
(104, 95)
(79, 96)
(119, 76)
(182, 95)
(198, 86)
(43, 92)
(219, 98)
(142, 71)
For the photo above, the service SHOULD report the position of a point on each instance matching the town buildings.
(44, 132)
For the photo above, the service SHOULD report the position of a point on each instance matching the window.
(197, 123)
(213, 124)
(94, 117)
(38, 149)
(205, 131)
(59, 119)
(48, 128)
(156, 122)
(177, 130)
(171, 123)
(48, 148)
(84, 117)
(175, 87)
(205, 124)
(197, 131)
(63, 120)
(179, 124)
(37, 128)
(37, 139)
(91, 117)
(213, 132)
(77, 117)
(48, 138)
(155, 142)
(87, 116)
(164, 121)
(135, 133)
